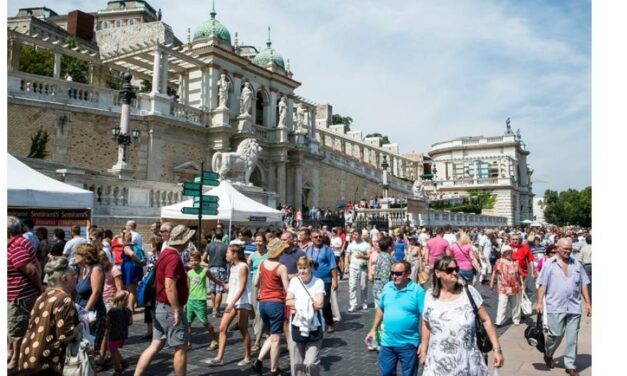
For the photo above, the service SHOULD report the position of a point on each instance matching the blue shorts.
(272, 314)
(467, 275)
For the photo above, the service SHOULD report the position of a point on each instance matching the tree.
(36, 61)
(474, 203)
(339, 119)
(569, 207)
(38, 145)
(384, 139)
(77, 68)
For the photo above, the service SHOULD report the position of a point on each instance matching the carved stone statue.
(239, 165)
(301, 124)
(282, 113)
(223, 90)
(246, 99)
(518, 136)
(508, 126)
(418, 190)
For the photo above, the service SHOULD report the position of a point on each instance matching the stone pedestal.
(159, 104)
(221, 117)
(122, 170)
(299, 137)
(245, 123)
(282, 134)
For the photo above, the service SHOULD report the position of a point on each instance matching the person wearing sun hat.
(172, 290)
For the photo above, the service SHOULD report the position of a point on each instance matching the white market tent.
(29, 188)
(233, 206)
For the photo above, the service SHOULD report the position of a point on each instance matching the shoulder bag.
(314, 335)
(534, 334)
(483, 342)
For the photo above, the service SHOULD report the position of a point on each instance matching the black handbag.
(535, 335)
(314, 335)
(483, 342)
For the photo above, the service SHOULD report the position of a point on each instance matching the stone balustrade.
(466, 182)
(393, 218)
(186, 113)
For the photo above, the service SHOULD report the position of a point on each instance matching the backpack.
(139, 253)
(147, 288)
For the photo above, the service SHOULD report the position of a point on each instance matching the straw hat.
(275, 248)
(180, 235)
(506, 248)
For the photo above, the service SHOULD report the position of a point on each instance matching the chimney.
(81, 25)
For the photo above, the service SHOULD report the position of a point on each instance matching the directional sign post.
(203, 205)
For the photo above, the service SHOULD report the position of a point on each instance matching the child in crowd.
(197, 302)
(119, 318)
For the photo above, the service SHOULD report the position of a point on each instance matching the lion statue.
(239, 165)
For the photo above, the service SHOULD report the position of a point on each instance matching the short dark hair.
(589, 239)
(75, 230)
(385, 243)
(406, 265)
(28, 223)
(59, 233)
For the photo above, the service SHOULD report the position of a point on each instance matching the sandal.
(243, 363)
(213, 362)
(213, 345)
(255, 348)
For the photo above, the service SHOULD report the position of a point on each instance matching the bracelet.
(498, 351)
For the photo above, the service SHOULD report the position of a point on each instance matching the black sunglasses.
(397, 274)
(450, 270)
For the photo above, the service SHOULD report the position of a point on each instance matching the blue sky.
(423, 72)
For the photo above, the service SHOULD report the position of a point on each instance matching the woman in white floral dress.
(449, 346)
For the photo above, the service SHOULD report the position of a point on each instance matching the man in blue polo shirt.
(400, 308)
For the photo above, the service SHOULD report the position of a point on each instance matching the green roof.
(212, 28)
(269, 55)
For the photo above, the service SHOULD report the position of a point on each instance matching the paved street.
(343, 353)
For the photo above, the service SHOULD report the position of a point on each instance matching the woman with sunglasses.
(448, 345)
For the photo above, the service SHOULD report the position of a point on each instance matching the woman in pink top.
(112, 284)
(463, 253)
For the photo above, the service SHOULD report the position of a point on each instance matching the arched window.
(131, 22)
(118, 23)
(259, 109)
(104, 25)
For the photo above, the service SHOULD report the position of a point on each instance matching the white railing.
(187, 113)
(398, 217)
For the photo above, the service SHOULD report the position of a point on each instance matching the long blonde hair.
(120, 300)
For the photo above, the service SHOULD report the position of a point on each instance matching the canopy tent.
(233, 206)
(31, 189)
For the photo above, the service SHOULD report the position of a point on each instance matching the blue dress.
(131, 273)
(83, 292)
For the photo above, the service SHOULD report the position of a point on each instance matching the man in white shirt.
(448, 235)
(357, 255)
(137, 238)
(374, 233)
(70, 247)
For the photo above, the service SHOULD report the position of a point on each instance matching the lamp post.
(385, 185)
(121, 134)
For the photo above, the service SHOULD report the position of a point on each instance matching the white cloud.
(429, 71)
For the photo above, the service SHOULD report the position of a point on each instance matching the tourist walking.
(253, 262)
(238, 302)
(325, 268)
(23, 285)
(449, 344)
(53, 321)
(89, 288)
(132, 268)
(380, 277)
(197, 301)
(305, 298)
(564, 282)
(272, 285)
(172, 289)
(357, 255)
(216, 258)
(119, 318)
(72, 245)
(509, 286)
(463, 253)
(399, 309)
(436, 247)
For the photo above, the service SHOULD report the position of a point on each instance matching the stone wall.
(342, 186)
(115, 39)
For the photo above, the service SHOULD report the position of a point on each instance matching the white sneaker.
(352, 309)
(364, 306)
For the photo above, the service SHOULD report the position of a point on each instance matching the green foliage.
(36, 61)
(339, 119)
(384, 139)
(38, 145)
(570, 207)
(145, 87)
(78, 69)
(475, 203)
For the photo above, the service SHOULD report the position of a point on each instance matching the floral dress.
(381, 274)
(453, 347)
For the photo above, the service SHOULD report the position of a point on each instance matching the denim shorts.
(467, 275)
(272, 314)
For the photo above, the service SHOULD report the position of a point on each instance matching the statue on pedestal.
(246, 100)
(301, 124)
(282, 113)
(223, 90)
(418, 190)
(239, 165)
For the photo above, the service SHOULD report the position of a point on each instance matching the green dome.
(268, 55)
(212, 28)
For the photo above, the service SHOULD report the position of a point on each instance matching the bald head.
(564, 248)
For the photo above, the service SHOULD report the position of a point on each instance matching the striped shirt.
(19, 253)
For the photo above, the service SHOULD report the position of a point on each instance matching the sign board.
(207, 205)
(196, 211)
(191, 186)
(205, 181)
(206, 198)
(257, 219)
(191, 193)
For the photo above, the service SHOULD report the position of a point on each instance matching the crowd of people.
(283, 283)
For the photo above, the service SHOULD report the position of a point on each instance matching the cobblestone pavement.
(343, 352)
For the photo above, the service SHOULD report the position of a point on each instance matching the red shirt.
(522, 254)
(170, 266)
(271, 287)
(19, 253)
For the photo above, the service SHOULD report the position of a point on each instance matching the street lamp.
(121, 134)
(385, 185)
